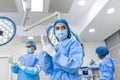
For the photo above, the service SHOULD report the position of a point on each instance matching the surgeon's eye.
(57, 28)
(63, 27)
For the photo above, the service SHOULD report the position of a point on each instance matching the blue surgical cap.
(32, 43)
(102, 51)
(67, 26)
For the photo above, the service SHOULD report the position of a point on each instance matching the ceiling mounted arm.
(27, 11)
(43, 20)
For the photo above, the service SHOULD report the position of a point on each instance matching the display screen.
(85, 72)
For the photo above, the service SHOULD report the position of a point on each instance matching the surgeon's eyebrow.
(28, 46)
(57, 28)
(62, 27)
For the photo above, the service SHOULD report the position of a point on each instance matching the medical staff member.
(92, 62)
(27, 66)
(106, 65)
(67, 56)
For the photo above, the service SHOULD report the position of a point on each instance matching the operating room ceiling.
(81, 18)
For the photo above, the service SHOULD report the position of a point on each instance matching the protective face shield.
(61, 34)
(7, 30)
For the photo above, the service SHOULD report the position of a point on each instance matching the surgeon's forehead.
(60, 25)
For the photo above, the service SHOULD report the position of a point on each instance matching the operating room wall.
(17, 48)
(113, 42)
(89, 49)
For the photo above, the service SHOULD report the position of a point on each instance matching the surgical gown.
(32, 69)
(66, 63)
(107, 68)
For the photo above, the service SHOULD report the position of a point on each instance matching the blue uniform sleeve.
(73, 61)
(45, 62)
(15, 69)
(32, 70)
(107, 71)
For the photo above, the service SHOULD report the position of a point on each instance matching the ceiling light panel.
(36, 5)
(111, 10)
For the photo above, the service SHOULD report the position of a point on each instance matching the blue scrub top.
(66, 62)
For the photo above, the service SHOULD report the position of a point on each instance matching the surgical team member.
(92, 62)
(66, 59)
(106, 65)
(27, 66)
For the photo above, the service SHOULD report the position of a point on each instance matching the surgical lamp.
(7, 30)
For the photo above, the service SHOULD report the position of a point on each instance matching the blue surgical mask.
(61, 34)
(29, 51)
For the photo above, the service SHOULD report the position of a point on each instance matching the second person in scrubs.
(27, 66)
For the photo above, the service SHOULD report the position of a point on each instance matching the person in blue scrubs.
(92, 62)
(27, 66)
(67, 56)
(106, 65)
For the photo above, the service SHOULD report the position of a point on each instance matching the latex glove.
(47, 46)
(44, 40)
(50, 50)
(20, 65)
(11, 62)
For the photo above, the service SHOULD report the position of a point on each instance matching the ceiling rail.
(41, 21)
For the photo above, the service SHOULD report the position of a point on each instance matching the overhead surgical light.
(7, 30)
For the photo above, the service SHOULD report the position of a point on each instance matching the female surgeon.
(27, 66)
(106, 66)
(67, 56)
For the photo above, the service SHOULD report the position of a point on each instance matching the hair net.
(67, 26)
(32, 43)
(102, 50)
